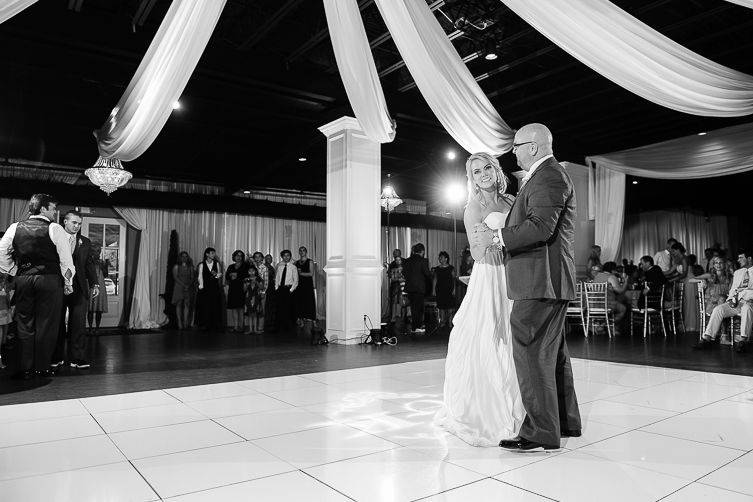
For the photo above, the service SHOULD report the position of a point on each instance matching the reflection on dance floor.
(367, 434)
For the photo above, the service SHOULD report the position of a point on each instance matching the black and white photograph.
(376, 250)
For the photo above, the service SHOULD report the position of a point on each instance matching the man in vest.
(38, 252)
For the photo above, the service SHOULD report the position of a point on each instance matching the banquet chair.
(597, 306)
(674, 305)
(702, 309)
(576, 307)
(651, 305)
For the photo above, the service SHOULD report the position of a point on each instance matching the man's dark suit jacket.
(86, 271)
(539, 237)
(416, 272)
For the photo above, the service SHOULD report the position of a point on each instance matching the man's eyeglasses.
(515, 146)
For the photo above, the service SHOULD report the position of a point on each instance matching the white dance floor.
(365, 434)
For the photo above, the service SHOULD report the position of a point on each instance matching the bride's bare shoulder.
(472, 210)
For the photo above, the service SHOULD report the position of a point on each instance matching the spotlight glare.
(455, 193)
(176, 105)
(451, 154)
(701, 134)
(301, 159)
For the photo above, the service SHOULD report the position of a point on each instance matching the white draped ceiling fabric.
(440, 74)
(9, 8)
(718, 153)
(744, 3)
(357, 69)
(443, 79)
(639, 58)
(159, 80)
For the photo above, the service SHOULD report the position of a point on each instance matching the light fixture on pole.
(389, 201)
(455, 193)
(108, 174)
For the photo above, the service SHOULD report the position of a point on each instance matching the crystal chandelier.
(108, 174)
(389, 199)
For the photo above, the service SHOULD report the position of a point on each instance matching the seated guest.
(652, 274)
(416, 272)
(663, 259)
(739, 302)
(618, 302)
(593, 266)
(717, 284)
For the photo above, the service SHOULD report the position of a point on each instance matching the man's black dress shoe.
(739, 347)
(523, 444)
(567, 433)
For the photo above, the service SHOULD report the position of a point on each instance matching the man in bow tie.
(85, 286)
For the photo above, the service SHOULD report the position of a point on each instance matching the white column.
(354, 269)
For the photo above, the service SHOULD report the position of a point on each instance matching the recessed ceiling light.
(247, 192)
(635, 182)
(701, 134)
(490, 57)
(301, 159)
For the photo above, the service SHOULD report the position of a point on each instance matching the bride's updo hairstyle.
(474, 192)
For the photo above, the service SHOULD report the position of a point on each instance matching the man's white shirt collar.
(534, 167)
(39, 217)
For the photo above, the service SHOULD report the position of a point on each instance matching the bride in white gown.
(481, 396)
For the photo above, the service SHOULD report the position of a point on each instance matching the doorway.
(110, 233)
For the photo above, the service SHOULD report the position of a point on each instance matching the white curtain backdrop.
(718, 153)
(9, 8)
(639, 58)
(11, 211)
(225, 232)
(357, 69)
(443, 79)
(141, 316)
(646, 233)
(609, 201)
(159, 80)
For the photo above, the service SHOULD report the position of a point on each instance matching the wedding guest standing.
(39, 252)
(397, 283)
(444, 288)
(260, 308)
(185, 279)
(236, 276)
(98, 304)
(254, 302)
(209, 297)
(270, 314)
(305, 299)
(417, 273)
(286, 282)
(71, 341)
(466, 267)
(6, 311)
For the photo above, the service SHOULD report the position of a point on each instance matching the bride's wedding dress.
(481, 396)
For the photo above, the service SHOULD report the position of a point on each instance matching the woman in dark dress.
(209, 297)
(305, 301)
(236, 297)
(444, 288)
